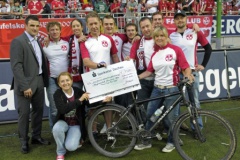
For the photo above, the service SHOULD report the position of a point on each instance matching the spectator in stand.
(114, 8)
(17, 10)
(142, 7)
(46, 9)
(208, 7)
(88, 6)
(59, 8)
(196, 8)
(234, 4)
(35, 7)
(123, 5)
(187, 5)
(101, 8)
(74, 6)
(5, 10)
(178, 5)
(131, 10)
(152, 6)
(162, 5)
(170, 7)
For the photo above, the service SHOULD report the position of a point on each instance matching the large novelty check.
(115, 79)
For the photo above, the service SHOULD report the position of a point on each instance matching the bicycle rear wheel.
(118, 140)
(220, 141)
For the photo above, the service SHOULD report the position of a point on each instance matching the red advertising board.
(9, 29)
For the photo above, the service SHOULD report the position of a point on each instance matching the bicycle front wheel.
(119, 139)
(220, 143)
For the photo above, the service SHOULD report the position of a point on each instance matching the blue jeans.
(145, 91)
(195, 90)
(167, 102)
(66, 137)
(51, 89)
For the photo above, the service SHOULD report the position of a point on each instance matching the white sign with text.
(115, 79)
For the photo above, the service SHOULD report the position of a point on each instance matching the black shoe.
(40, 141)
(25, 148)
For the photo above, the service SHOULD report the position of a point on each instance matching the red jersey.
(196, 7)
(171, 8)
(34, 7)
(55, 4)
(162, 5)
(209, 6)
(114, 5)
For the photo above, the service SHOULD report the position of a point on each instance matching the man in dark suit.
(30, 77)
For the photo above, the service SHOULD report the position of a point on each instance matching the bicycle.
(127, 129)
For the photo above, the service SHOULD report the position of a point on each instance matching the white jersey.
(57, 56)
(165, 63)
(152, 9)
(126, 49)
(99, 49)
(119, 39)
(188, 43)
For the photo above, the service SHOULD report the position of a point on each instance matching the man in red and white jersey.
(59, 8)
(35, 7)
(99, 48)
(131, 31)
(188, 40)
(109, 29)
(98, 51)
(141, 52)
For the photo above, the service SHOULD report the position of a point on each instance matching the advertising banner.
(8, 105)
(230, 25)
(233, 59)
(213, 79)
(12, 28)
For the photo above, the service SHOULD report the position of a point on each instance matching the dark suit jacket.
(25, 66)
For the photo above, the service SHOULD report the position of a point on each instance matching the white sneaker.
(140, 147)
(168, 148)
(104, 129)
(159, 137)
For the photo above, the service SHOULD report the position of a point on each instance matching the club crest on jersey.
(64, 47)
(169, 57)
(189, 37)
(104, 43)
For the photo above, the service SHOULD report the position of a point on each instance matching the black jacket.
(63, 107)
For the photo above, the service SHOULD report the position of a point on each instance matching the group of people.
(158, 62)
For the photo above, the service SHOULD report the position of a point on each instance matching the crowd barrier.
(219, 80)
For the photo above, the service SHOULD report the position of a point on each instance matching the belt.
(164, 87)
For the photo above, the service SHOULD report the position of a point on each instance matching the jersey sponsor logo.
(104, 43)
(64, 47)
(169, 57)
(189, 37)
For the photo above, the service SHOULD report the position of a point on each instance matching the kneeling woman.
(69, 128)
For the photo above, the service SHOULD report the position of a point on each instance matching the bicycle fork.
(194, 121)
